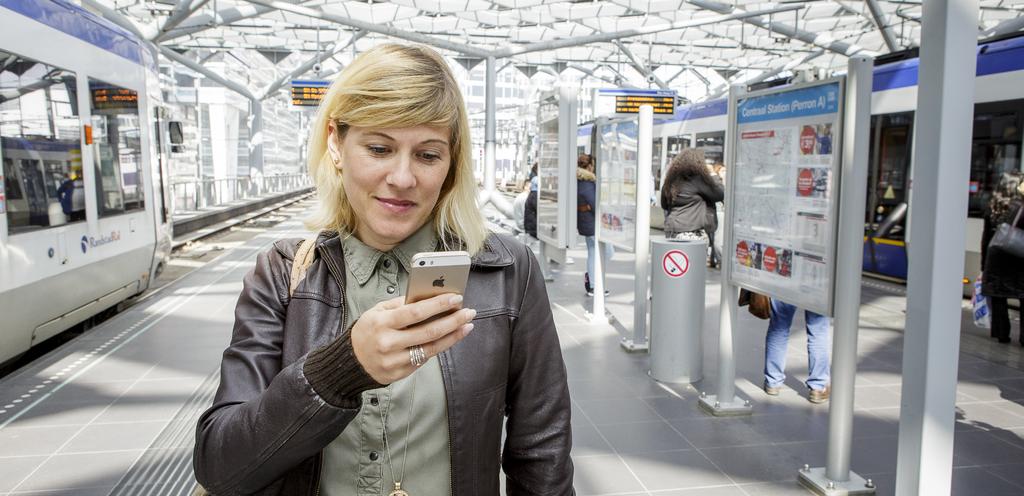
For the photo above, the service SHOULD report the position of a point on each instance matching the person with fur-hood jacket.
(586, 208)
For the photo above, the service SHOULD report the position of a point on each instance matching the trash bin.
(677, 309)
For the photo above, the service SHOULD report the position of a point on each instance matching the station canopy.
(628, 42)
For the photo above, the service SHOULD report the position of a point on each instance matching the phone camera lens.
(422, 263)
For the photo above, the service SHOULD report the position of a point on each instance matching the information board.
(617, 173)
(784, 182)
(626, 102)
(306, 93)
(556, 167)
(547, 171)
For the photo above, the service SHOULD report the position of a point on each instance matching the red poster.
(769, 259)
(808, 137)
(742, 253)
(805, 182)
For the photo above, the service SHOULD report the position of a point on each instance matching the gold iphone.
(437, 272)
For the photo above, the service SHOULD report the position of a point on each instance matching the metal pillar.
(256, 137)
(491, 108)
(725, 402)
(643, 232)
(931, 342)
(598, 315)
(836, 478)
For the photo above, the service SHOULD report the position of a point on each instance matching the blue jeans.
(590, 257)
(776, 340)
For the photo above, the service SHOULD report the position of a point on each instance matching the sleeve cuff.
(336, 375)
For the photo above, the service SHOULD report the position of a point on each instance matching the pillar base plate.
(632, 346)
(737, 407)
(815, 480)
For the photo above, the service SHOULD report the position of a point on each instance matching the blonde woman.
(322, 391)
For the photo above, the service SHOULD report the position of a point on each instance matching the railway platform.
(113, 411)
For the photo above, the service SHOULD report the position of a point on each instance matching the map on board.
(784, 212)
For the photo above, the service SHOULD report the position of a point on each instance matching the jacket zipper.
(340, 278)
(451, 459)
(319, 474)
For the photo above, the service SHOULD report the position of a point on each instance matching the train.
(84, 192)
(996, 148)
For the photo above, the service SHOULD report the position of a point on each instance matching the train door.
(160, 163)
(995, 150)
(885, 249)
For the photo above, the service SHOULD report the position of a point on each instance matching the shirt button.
(391, 290)
(374, 456)
(373, 401)
(387, 263)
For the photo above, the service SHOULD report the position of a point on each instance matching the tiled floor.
(75, 421)
(634, 436)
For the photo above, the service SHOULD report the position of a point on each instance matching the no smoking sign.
(675, 263)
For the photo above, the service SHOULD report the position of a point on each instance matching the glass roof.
(710, 41)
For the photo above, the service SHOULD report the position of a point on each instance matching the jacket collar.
(585, 175)
(494, 254)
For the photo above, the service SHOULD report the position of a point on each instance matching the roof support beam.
(879, 17)
(607, 37)
(206, 21)
(116, 18)
(181, 12)
(1005, 27)
(641, 68)
(765, 75)
(819, 39)
(590, 73)
(375, 28)
(309, 64)
(255, 105)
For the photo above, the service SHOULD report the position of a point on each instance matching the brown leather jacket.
(290, 383)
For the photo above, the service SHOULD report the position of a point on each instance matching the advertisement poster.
(784, 182)
(617, 173)
(547, 172)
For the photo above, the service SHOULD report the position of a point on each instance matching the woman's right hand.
(384, 334)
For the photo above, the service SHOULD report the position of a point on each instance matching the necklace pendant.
(398, 490)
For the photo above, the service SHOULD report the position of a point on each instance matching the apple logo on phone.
(439, 282)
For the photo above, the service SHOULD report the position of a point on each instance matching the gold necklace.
(398, 491)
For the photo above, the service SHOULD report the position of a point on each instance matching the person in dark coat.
(586, 208)
(689, 188)
(530, 216)
(1003, 208)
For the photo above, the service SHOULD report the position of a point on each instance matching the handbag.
(1004, 261)
(757, 304)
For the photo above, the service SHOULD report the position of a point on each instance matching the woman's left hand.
(384, 336)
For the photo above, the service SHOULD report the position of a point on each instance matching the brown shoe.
(771, 391)
(819, 395)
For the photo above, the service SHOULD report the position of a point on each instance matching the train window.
(889, 171)
(995, 149)
(117, 149)
(713, 145)
(40, 144)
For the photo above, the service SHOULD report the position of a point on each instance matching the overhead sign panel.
(623, 102)
(308, 93)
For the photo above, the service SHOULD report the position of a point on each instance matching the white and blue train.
(997, 147)
(84, 199)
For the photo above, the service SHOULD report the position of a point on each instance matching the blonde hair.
(392, 86)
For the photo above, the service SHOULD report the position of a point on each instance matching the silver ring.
(417, 356)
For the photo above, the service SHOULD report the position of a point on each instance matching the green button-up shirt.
(357, 463)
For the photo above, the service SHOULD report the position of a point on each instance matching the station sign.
(308, 93)
(623, 102)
